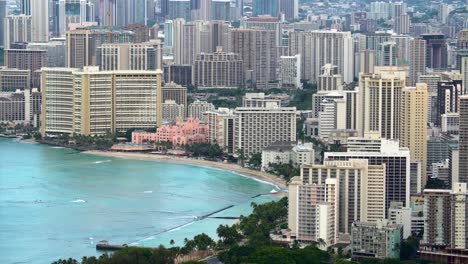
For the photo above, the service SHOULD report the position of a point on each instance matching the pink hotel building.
(182, 133)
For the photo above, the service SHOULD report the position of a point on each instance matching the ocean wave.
(101, 161)
(57, 147)
(148, 192)
(78, 201)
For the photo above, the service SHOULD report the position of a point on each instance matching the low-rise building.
(182, 133)
(378, 240)
(288, 152)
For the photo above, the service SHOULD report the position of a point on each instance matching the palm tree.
(321, 242)
(172, 242)
(241, 156)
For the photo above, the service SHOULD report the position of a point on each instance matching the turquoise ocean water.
(57, 202)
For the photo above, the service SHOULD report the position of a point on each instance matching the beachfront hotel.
(256, 128)
(93, 102)
(182, 133)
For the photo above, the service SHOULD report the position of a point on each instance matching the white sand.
(263, 176)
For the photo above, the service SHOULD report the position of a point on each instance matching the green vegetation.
(256, 159)
(102, 142)
(302, 99)
(211, 151)
(286, 171)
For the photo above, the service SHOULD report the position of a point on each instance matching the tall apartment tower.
(321, 47)
(417, 59)
(3, 14)
(17, 29)
(82, 44)
(40, 20)
(459, 208)
(438, 218)
(379, 101)
(463, 142)
(413, 128)
(290, 9)
(402, 24)
(387, 54)
(257, 48)
(266, 7)
(71, 11)
(126, 56)
(436, 50)
(25, 6)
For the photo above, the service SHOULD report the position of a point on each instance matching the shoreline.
(234, 168)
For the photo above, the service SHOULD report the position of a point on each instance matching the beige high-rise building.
(346, 191)
(379, 101)
(257, 128)
(219, 69)
(93, 102)
(126, 56)
(257, 48)
(417, 60)
(413, 128)
(459, 208)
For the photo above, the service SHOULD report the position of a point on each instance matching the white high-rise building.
(40, 20)
(198, 108)
(71, 11)
(321, 47)
(171, 111)
(17, 29)
(290, 71)
(221, 128)
(258, 127)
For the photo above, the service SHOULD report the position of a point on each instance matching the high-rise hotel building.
(93, 102)
(257, 128)
(397, 168)
(379, 101)
(328, 198)
(218, 69)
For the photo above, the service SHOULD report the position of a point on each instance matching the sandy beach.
(263, 176)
